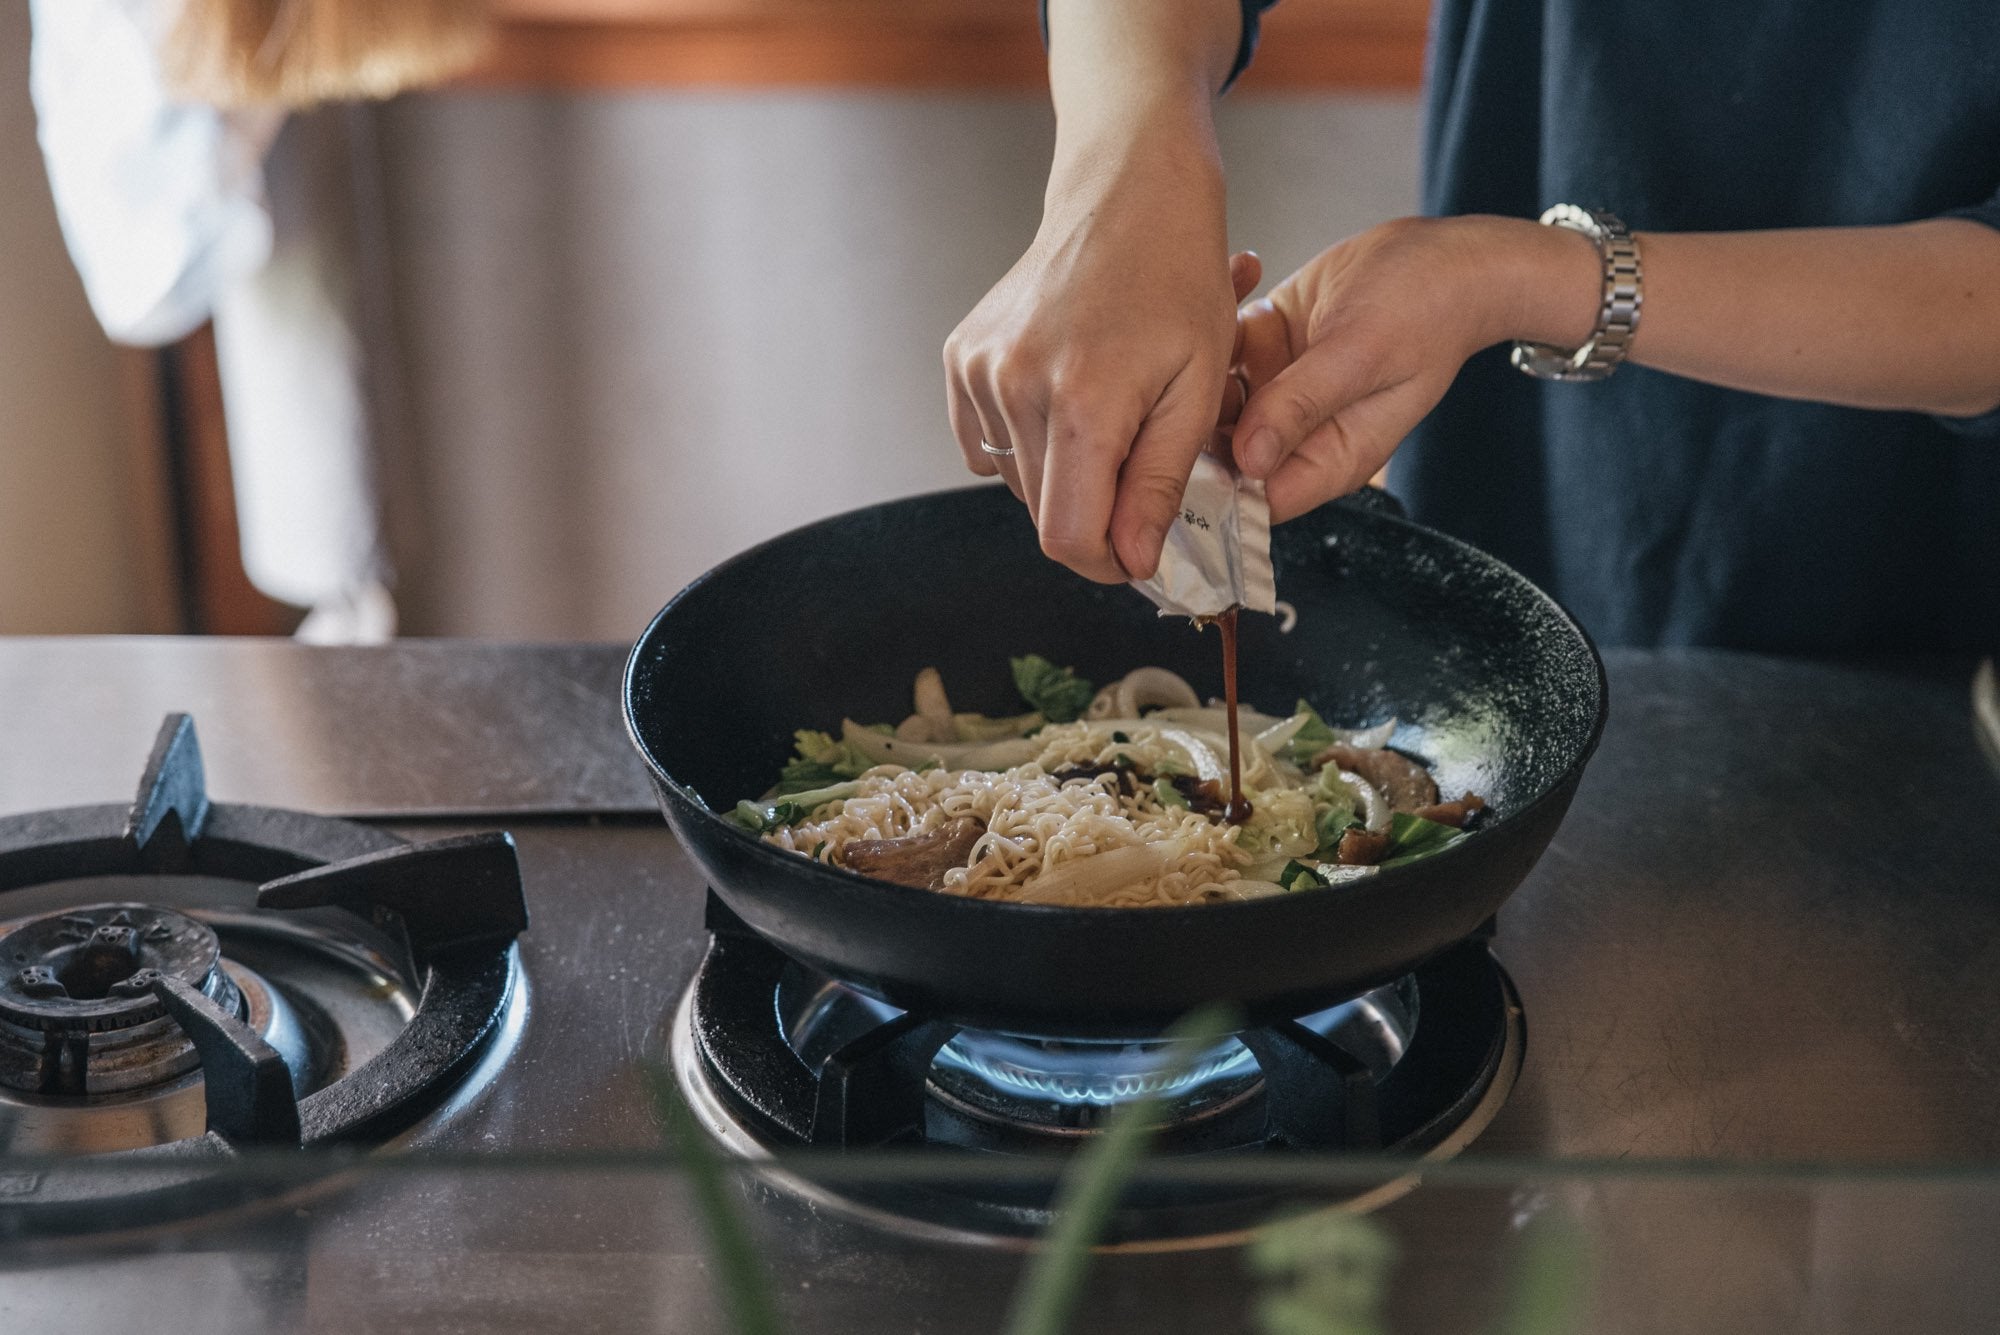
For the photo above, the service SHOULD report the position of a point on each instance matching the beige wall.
(66, 559)
(644, 331)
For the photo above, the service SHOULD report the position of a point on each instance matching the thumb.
(1302, 398)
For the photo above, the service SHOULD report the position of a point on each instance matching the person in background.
(1787, 438)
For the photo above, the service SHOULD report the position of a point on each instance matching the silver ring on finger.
(995, 451)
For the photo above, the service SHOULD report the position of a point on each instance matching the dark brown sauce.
(1239, 805)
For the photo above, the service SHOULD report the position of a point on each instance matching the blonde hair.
(234, 53)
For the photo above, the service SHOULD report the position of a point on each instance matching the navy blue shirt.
(1662, 511)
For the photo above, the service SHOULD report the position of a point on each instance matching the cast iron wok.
(1491, 682)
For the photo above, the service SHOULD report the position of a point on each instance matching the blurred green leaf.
(745, 1288)
(1551, 1280)
(1329, 1275)
(1094, 1181)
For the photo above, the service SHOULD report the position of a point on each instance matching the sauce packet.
(1218, 549)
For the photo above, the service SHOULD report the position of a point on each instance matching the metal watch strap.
(1617, 317)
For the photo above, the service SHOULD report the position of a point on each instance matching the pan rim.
(791, 864)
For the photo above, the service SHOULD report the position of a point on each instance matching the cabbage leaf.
(1310, 740)
(1056, 692)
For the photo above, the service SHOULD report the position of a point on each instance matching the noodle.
(1035, 824)
(1105, 812)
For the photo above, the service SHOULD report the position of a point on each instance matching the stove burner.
(771, 1055)
(113, 1015)
(1067, 1086)
(78, 1014)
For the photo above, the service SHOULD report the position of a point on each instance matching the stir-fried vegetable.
(1412, 837)
(820, 761)
(1325, 805)
(1056, 692)
(763, 817)
(1311, 739)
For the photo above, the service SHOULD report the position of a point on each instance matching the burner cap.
(77, 1010)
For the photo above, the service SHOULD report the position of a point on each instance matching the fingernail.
(1151, 539)
(1259, 454)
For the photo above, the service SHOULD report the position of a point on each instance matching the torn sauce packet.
(1218, 549)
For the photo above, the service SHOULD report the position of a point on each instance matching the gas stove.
(181, 980)
(1761, 1063)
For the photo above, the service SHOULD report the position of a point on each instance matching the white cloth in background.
(163, 206)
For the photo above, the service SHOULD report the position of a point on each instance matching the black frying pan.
(1493, 684)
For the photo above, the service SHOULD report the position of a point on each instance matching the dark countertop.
(417, 728)
(1786, 872)
(1766, 935)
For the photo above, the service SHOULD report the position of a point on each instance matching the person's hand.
(1100, 359)
(1347, 355)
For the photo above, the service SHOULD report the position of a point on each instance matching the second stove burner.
(78, 1014)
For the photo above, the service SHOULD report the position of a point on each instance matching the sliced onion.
(1154, 687)
(1200, 755)
(1215, 718)
(1246, 888)
(923, 728)
(1084, 879)
(1103, 705)
(979, 728)
(1366, 739)
(931, 700)
(1374, 806)
(883, 750)
(1275, 737)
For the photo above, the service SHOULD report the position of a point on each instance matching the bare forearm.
(1121, 69)
(1872, 317)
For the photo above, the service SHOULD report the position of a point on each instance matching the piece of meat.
(1454, 813)
(1361, 848)
(1406, 784)
(920, 860)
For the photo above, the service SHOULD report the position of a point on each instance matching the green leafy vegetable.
(1310, 740)
(1058, 693)
(821, 760)
(1413, 837)
(764, 817)
(1169, 795)
(1330, 822)
(1298, 876)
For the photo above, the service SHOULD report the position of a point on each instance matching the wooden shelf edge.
(580, 56)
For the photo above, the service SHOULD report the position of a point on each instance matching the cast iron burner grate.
(99, 999)
(773, 1056)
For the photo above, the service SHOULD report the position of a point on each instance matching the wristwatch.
(1617, 317)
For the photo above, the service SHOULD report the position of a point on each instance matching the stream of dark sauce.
(1239, 805)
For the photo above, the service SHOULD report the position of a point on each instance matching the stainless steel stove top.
(1757, 964)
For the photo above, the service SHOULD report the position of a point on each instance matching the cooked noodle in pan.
(1112, 799)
